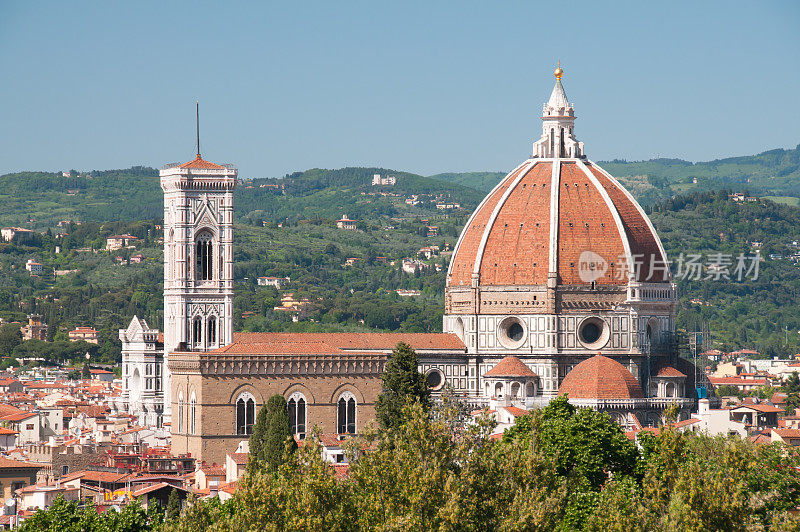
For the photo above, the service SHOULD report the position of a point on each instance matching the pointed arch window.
(204, 256)
(245, 413)
(180, 413)
(211, 331)
(197, 331)
(562, 150)
(193, 414)
(297, 414)
(346, 414)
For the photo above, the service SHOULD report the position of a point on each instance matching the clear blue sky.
(420, 86)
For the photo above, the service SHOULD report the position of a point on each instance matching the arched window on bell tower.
(197, 332)
(211, 331)
(204, 256)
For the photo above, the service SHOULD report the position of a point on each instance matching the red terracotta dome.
(542, 220)
(600, 378)
(510, 367)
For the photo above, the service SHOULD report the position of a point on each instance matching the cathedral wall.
(216, 406)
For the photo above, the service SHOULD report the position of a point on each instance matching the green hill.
(771, 173)
(39, 200)
(484, 181)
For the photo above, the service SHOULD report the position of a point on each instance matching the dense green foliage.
(436, 473)
(271, 433)
(402, 382)
(67, 516)
(759, 314)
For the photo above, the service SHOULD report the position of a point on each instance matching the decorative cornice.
(295, 365)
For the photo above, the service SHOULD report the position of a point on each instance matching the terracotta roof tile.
(198, 163)
(469, 242)
(335, 343)
(517, 239)
(520, 235)
(510, 366)
(600, 378)
(668, 371)
(516, 412)
(6, 463)
(641, 239)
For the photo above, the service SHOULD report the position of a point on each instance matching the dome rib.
(476, 267)
(518, 238)
(611, 207)
(638, 226)
(459, 272)
(587, 232)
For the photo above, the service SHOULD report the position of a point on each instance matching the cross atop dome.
(558, 116)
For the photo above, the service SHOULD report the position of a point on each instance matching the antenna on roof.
(198, 129)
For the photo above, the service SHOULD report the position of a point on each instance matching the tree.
(792, 384)
(173, 505)
(270, 434)
(10, 337)
(587, 445)
(87, 371)
(402, 382)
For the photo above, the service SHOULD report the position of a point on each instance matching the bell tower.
(198, 256)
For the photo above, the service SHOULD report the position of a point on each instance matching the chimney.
(703, 407)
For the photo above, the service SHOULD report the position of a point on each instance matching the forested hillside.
(774, 173)
(761, 313)
(39, 200)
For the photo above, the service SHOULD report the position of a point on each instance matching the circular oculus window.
(434, 379)
(511, 333)
(593, 333)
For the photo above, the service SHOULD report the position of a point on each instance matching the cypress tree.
(401, 382)
(270, 433)
(173, 504)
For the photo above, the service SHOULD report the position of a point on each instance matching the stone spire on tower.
(558, 117)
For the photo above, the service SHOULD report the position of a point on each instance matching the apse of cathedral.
(558, 285)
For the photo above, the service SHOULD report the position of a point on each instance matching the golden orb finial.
(558, 72)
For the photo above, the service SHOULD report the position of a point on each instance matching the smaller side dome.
(510, 367)
(600, 378)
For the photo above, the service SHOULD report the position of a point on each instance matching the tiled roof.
(516, 412)
(779, 397)
(230, 487)
(5, 463)
(18, 417)
(510, 366)
(156, 487)
(335, 343)
(341, 471)
(198, 163)
(668, 371)
(600, 378)
(6, 410)
(736, 381)
(686, 422)
(764, 409)
(507, 239)
(95, 476)
(7, 432)
(787, 433)
(240, 458)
